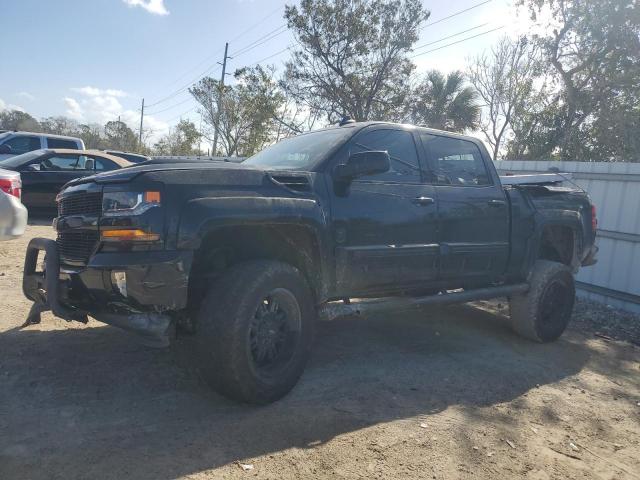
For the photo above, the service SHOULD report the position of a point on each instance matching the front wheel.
(255, 330)
(543, 313)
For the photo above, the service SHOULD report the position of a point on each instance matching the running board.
(333, 310)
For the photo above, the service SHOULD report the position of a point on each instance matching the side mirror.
(33, 167)
(361, 164)
(5, 149)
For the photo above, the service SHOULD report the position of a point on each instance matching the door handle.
(495, 203)
(423, 201)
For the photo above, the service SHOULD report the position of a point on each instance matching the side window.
(23, 144)
(62, 143)
(455, 162)
(104, 165)
(61, 163)
(402, 153)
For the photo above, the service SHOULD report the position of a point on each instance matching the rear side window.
(23, 144)
(402, 154)
(62, 143)
(62, 163)
(104, 165)
(455, 161)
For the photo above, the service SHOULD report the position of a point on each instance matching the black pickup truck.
(361, 216)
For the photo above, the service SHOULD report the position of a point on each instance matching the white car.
(13, 215)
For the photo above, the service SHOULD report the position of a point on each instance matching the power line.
(256, 43)
(255, 25)
(172, 106)
(186, 86)
(450, 36)
(182, 114)
(209, 57)
(270, 56)
(260, 41)
(455, 14)
(459, 41)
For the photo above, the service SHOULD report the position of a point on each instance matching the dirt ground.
(443, 393)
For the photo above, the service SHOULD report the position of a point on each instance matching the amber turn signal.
(152, 197)
(124, 235)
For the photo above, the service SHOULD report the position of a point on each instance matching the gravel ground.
(440, 393)
(603, 321)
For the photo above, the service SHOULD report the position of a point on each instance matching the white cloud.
(101, 105)
(27, 95)
(9, 106)
(74, 110)
(98, 92)
(152, 6)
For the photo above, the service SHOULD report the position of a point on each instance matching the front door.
(473, 213)
(40, 187)
(384, 225)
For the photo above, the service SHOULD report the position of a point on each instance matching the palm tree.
(445, 103)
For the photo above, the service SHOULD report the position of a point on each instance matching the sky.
(94, 60)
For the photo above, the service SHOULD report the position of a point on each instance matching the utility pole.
(141, 118)
(224, 69)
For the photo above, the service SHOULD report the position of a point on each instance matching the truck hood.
(211, 170)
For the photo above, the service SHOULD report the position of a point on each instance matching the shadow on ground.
(93, 403)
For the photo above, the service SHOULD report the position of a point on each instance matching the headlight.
(116, 204)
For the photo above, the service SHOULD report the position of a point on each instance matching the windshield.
(18, 160)
(302, 152)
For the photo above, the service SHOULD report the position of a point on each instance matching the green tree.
(18, 120)
(593, 50)
(179, 141)
(445, 103)
(118, 136)
(352, 56)
(92, 135)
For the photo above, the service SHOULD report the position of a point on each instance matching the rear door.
(473, 216)
(384, 225)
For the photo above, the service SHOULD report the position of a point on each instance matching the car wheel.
(543, 313)
(255, 331)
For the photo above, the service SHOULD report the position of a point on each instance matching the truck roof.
(404, 126)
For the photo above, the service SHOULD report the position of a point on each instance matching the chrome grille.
(81, 203)
(76, 247)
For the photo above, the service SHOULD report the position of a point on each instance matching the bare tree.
(246, 120)
(504, 79)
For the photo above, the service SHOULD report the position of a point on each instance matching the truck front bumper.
(131, 290)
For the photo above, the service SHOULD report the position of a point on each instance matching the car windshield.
(18, 160)
(302, 152)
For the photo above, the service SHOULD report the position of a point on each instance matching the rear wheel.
(254, 331)
(543, 313)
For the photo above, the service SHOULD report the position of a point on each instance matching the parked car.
(13, 215)
(246, 255)
(132, 157)
(44, 172)
(17, 143)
